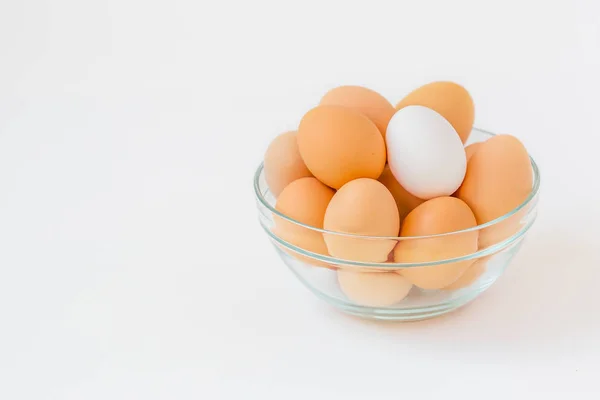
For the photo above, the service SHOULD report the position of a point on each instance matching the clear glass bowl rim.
(532, 195)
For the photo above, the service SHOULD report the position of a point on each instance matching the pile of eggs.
(358, 165)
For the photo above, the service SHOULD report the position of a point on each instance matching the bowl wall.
(418, 304)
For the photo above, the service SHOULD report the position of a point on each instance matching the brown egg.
(373, 289)
(470, 275)
(283, 163)
(339, 145)
(366, 101)
(499, 178)
(405, 201)
(364, 207)
(450, 100)
(436, 216)
(304, 200)
(502, 230)
(471, 149)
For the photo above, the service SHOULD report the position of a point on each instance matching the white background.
(132, 264)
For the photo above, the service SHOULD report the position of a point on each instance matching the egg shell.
(283, 163)
(338, 145)
(437, 216)
(365, 101)
(470, 275)
(424, 153)
(471, 149)
(373, 289)
(499, 178)
(304, 200)
(502, 230)
(449, 99)
(405, 201)
(364, 207)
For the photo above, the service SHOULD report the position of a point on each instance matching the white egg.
(425, 154)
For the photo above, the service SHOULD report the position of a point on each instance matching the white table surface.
(132, 262)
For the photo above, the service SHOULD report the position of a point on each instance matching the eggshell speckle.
(373, 289)
(365, 101)
(339, 145)
(283, 163)
(304, 200)
(424, 152)
(364, 207)
(437, 216)
(499, 178)
(450, 100)
(405, 201)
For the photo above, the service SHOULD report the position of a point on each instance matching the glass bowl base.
(404, 314)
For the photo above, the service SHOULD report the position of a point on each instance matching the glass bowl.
(383, 290)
